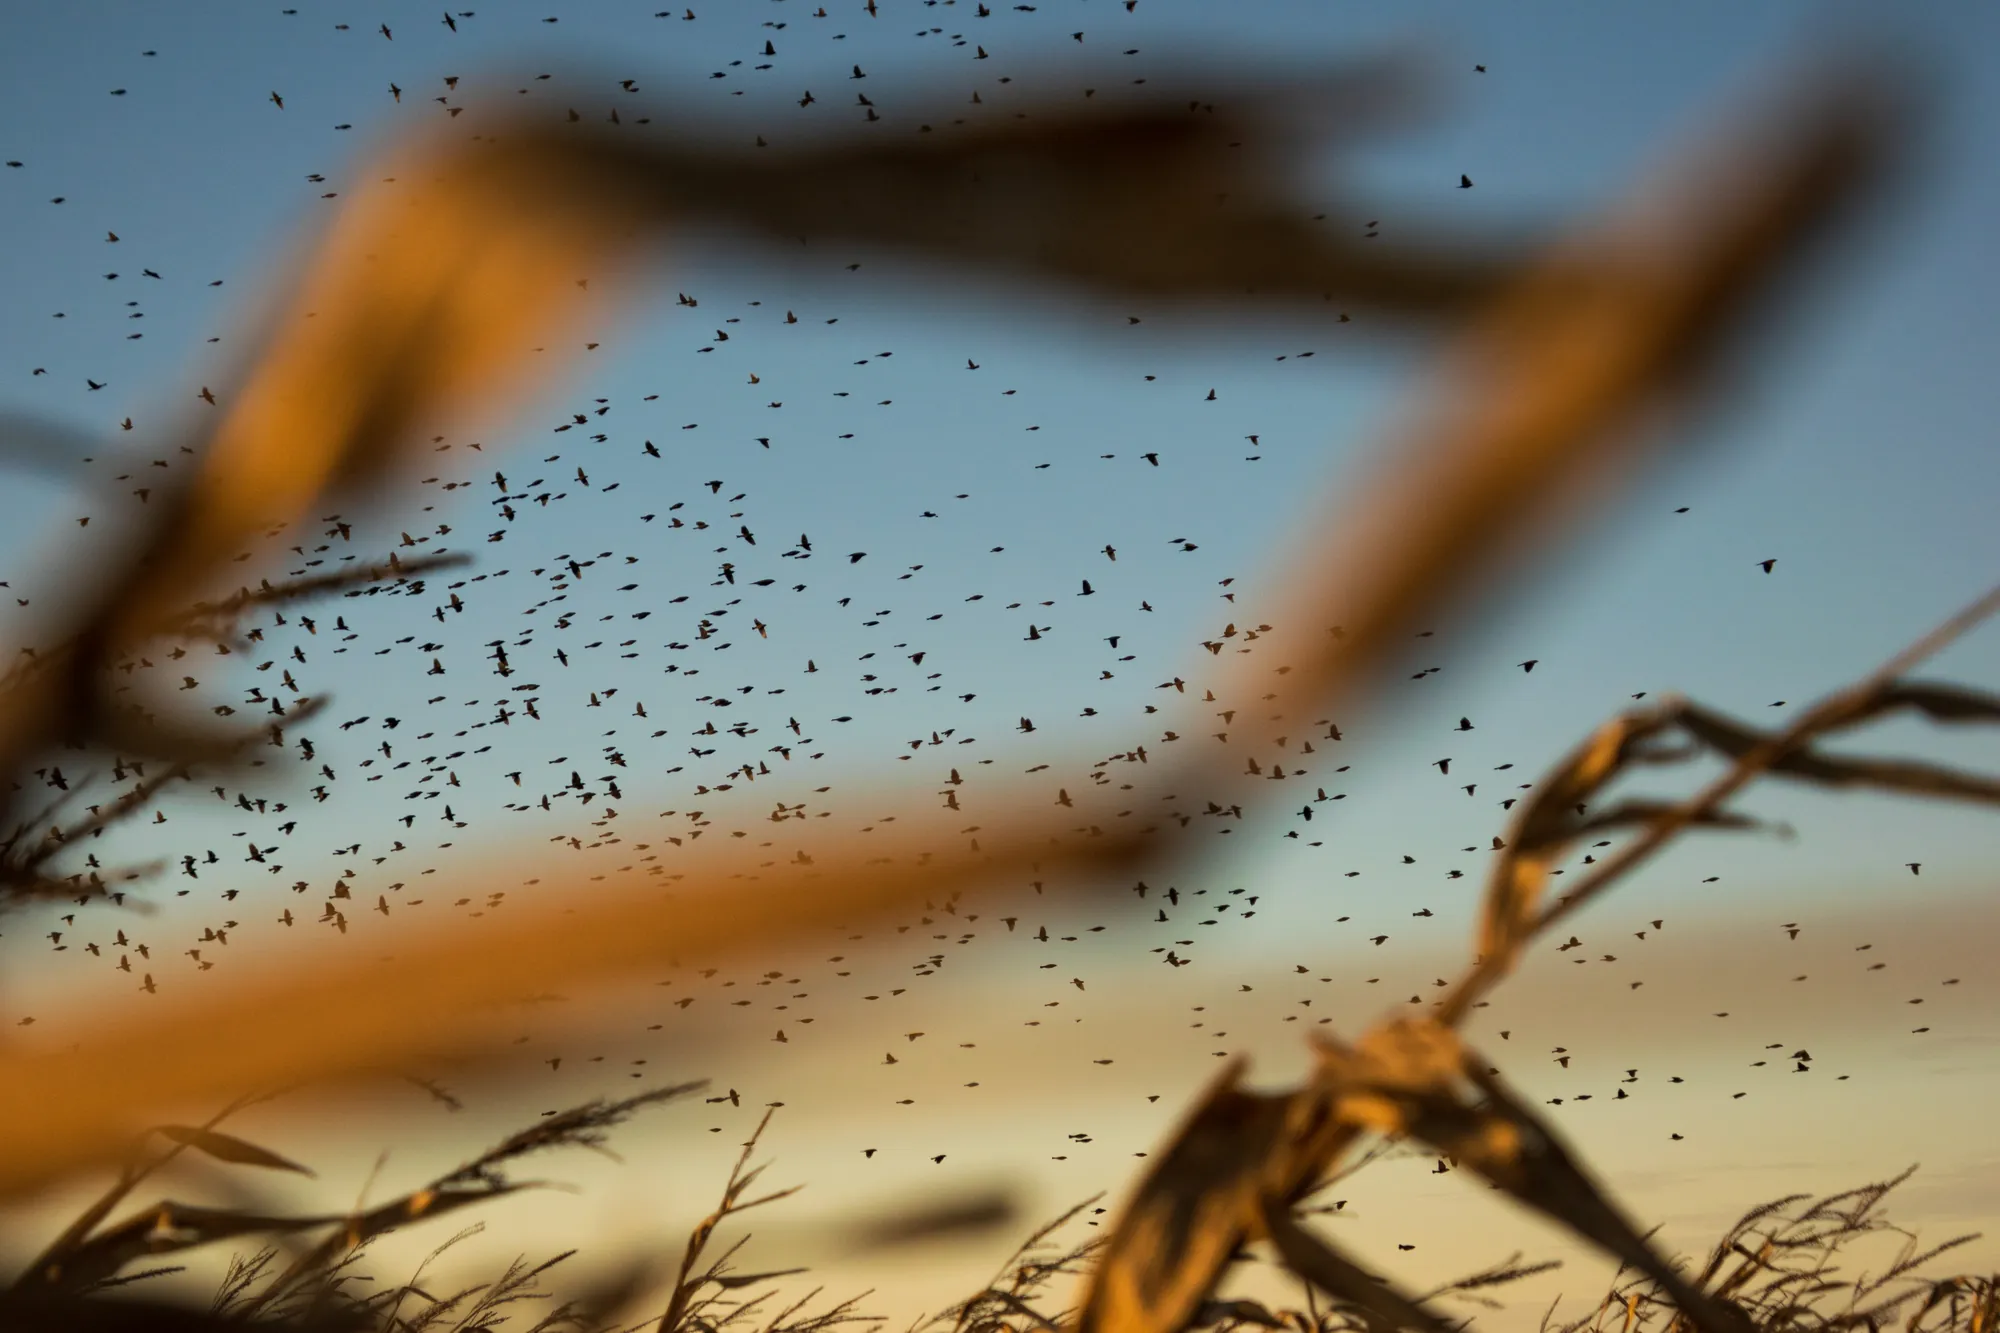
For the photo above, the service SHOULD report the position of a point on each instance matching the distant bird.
(1767, 564)
(1465, 182)
(278, 100)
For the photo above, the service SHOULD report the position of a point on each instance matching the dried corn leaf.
(1109, 200)
(734, 1281)
(1551, 821)
(1628, 813)
(1408, 1077)
(228, 1148)
(1936, 700)
(1545, 825)
(51, 1312)
(1505, 1141)
(357, 1229)
(1319, 1263)
(1239, 1311)
(1543, 398)
(164, 1228)
(1190, 1214)
(1735, 739)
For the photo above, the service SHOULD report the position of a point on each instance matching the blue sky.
(1858, 457)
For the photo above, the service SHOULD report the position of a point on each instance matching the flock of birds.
(578, 683)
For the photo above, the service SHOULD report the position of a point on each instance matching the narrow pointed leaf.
(228, 1148)
(735, 1280)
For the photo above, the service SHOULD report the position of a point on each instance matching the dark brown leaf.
(733, 1281)
(228, 1148)
(164, 1228)
(1735, 739)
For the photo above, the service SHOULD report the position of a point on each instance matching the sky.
(1853, 452)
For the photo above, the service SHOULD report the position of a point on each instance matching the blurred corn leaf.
(1735, 739)
(228, 1148)
(1320, 1263)
(164, 1228)
(1190, 1214)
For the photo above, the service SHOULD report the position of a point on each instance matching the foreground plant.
(1245, 1163)
(320, 1286)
